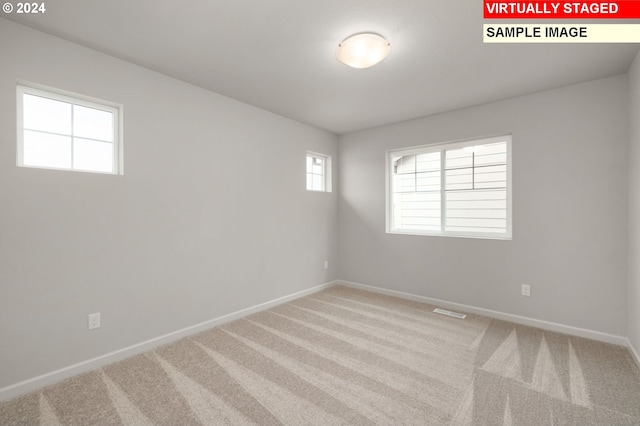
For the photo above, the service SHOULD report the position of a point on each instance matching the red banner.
(622, 9)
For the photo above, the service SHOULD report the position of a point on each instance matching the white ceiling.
(280, 54)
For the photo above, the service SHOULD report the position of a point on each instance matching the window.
(457, 189)
(57, 131)
(318, 172)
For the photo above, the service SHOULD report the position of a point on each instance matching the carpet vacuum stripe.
(345, 356)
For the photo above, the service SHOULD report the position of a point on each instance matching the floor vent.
(451, 314)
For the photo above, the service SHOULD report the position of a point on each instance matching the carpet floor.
(345, 356)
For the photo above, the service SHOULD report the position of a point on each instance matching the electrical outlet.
(526, 290)
(326, 264)
(94, 320)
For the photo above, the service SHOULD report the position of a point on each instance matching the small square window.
(58, 131)
(318, 172)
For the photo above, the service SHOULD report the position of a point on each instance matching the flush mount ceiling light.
(363, 50)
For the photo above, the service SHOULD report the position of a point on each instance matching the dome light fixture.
(363, 50)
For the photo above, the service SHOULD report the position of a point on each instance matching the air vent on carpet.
(451, 314)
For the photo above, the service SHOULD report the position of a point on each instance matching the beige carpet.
(345, 356)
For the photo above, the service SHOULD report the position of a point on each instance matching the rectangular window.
(58, 131)
(318, 172)
(460, 189)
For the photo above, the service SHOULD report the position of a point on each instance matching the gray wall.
(633, 321)
(569, 210)
(211, 215)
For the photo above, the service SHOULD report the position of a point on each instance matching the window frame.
(442, 147)
(326, 172)
(23, 88)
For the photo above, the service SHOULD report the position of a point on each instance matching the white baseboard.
(43, 380)
(532, 322)
(634, 352)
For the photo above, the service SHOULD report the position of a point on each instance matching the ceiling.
(279, 55)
